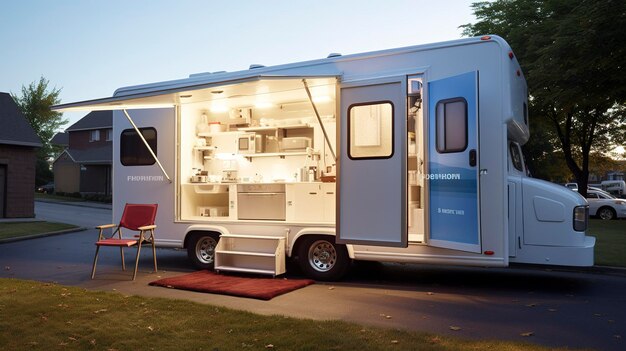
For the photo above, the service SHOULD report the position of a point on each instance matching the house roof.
(61, 138)
(93, 120)
(14, 128)
(99, 155)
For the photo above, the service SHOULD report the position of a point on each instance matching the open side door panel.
(453, 161)
(372, 165)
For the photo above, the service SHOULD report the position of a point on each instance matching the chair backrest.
(138, 215)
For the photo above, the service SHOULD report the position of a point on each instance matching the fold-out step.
(250, 254)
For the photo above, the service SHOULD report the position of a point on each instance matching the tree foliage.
(35, 102)
(573, 55)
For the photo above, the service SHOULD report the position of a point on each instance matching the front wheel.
(321, 259)
(606, 213)
(201, 250)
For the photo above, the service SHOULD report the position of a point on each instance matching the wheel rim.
(606, 214)
(205, 249)
(322, 256)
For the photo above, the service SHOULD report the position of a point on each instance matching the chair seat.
(116, 242)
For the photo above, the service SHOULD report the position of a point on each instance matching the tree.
(572, 53)
(35, 103)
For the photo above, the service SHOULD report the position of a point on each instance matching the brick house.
(85, 164)
(18, 155)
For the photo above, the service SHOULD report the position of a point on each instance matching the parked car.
(46, 188)
(574, 187)
(605, 205)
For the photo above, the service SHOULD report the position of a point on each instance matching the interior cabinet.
(311, 202)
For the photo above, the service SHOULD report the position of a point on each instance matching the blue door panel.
(453, 176)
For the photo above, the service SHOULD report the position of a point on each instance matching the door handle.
(472, 158)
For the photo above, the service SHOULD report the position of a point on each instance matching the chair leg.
(154, 255)
(122, 253)
(137, 259)
(95, 261)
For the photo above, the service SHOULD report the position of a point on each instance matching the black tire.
(201, 249)
(606, 213)
(321, 259)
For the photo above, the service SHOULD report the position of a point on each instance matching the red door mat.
(252, 287)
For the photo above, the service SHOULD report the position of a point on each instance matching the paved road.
(81, 216)
(575, 309)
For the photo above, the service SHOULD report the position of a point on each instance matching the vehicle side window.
(451, 125)
(516, 157)
(592, 196)
(133, 151)
(371, 130)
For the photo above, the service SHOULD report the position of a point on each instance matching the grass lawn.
(610, 241)
(17, 229)
(42, 316)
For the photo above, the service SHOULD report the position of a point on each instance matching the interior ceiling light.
(217, 91)
(185, 96)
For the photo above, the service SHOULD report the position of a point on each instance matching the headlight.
(581, 214)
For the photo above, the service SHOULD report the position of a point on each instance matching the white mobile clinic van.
(403, 155)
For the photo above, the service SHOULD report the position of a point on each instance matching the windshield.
(605, 195)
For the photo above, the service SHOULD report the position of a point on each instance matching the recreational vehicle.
(402, 155)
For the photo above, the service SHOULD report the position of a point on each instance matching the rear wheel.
(606, 213)
(201, 249)
(321, 259)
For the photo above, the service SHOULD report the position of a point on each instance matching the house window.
(109, 134)
(133, 151)
(371, 130)
(451, 125)
(94, 135)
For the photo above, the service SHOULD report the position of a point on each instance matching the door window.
(516, 157)
(371, 130)
(451, 125)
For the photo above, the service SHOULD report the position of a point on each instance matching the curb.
(42, 235)
(78, 204)
(592, 270)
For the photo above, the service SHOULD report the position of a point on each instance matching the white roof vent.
(333, 54)
(256, 65)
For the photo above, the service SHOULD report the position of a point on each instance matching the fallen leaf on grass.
(100, 311)
(388, 317)
(394, 341)
(430, 293)
(527, 334)
(93, 342)
(150, 328)
(72, 338)
(455, 328)
(434, 340)
(269, 346)
(331, 288)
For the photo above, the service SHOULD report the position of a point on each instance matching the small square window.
(109, 134)
(133, 151)
(94, 135)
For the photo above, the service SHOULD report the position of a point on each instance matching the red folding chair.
(139, 218)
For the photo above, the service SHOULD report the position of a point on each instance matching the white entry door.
(372, 165)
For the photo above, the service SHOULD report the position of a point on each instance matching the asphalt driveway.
(556, 308)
